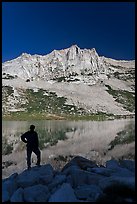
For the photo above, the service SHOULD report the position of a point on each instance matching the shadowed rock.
(64, 194)
(81, 162)
(17, 195)
(37, 193)
(80, 180)
(89, 192)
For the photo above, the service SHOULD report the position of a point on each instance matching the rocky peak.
(25, 55)
(74, 47)
(85, 63)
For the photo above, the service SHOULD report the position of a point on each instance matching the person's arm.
(23, 138)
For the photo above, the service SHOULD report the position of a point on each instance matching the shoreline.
(41, 116)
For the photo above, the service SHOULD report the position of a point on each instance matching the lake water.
(62, 140)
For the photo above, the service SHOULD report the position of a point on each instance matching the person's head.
(32, 127)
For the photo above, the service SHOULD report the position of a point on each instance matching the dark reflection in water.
(49, 133)
(60, 140)
(125, 136)
(52, 137)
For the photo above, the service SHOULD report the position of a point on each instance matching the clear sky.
(40, 27)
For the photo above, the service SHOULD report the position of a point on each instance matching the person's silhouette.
(31, 138)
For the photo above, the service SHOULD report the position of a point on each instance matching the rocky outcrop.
(80, 180)
(89, 83)
(71, 64)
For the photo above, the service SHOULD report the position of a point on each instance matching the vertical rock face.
(78, 70)
(71, 61)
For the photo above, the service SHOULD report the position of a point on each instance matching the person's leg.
(38, 153)
(29, 152)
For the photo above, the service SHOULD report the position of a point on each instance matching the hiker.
(31, 138)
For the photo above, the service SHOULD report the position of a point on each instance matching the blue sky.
(40, 27)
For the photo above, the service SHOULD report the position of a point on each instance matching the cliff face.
(80, 180)
(83, 63)
(68, 72)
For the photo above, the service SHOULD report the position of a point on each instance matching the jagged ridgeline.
(71, 82)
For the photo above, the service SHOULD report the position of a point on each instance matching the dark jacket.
(31, 138)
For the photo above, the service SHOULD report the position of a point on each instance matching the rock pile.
(80, 180)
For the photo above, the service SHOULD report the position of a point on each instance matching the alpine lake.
(61, 140)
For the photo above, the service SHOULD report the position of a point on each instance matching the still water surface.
(95, 140)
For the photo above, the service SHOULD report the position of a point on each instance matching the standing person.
(31, 138)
